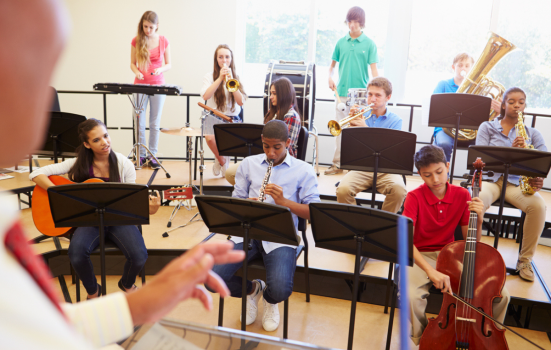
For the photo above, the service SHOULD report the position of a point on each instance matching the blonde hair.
(461, 57)
(142, 53)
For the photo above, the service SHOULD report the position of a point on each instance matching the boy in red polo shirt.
(436, 208)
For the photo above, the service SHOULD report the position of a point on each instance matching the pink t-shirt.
(156, 57)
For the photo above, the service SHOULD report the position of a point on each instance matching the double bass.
(477, 271)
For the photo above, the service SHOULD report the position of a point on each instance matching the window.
(528, 27)
(439, 31)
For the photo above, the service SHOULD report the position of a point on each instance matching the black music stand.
(377, 150)
(99, 205)
(345, 228)
(251, 220)
(62, 135)
(459, 111)
(239, 139)
(510, 160)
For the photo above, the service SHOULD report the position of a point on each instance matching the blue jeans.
(127, 238)
(445, 141)
(155, 110)
(280, 271)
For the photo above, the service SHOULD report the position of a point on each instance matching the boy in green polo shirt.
(354, 52)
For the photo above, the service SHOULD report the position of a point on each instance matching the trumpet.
(335, 127)
(232, 85)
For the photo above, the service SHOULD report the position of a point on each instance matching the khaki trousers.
(418, 290)
(532, 205)
(391, 185)
(338, 116)
(231, 171)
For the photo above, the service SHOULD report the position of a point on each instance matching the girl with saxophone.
(502, 131)
(224, 94)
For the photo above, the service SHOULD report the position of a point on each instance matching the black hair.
(276, 129)
(85, 157)
(504, 100)
(428, 155)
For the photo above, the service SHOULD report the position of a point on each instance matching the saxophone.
(261, 195)
(521, 131)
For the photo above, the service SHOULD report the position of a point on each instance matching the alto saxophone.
(261, 195)
(521, 131)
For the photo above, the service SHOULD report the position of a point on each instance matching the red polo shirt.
(435, 220)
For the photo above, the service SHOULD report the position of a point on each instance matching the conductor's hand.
(276, 192)
(477, 205)
(440, 281)
(519, 142)
(536, 183)
(154, 203)
(181, 279)
(332, 85)
(139, 76)
(496, 105)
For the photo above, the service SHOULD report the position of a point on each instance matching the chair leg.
(306, 270)
(73, 274)
(391, 320)
(388, 285)
(285, 318)
(142, 275)
(77, 281)
(221, 312)
(521, 231)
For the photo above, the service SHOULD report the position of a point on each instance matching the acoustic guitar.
(42, 214)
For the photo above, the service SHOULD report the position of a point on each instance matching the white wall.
(99, 51)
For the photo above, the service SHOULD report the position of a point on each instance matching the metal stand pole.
(138, 108)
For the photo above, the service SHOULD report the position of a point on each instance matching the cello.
(477, 272)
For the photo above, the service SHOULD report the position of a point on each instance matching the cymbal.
(184, 131)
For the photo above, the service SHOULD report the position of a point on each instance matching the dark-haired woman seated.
(96, 159)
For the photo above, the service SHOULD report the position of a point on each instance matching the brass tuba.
(477, 81)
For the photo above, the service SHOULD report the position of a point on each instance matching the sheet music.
(425, 110)
(159, 338)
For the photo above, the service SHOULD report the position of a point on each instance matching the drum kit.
(183, 195)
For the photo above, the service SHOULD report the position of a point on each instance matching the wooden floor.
(323, 321)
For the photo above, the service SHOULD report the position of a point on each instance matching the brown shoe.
(525, 271)
(332, 170)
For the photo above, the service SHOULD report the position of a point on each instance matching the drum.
(357, 97)
(303, 77)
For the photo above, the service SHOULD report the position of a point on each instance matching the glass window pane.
(439, 31)
(331, 27)
(276, 31)
(529, 66)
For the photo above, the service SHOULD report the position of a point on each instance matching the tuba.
(477, 81)
(521, 131)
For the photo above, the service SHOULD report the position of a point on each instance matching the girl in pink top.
(148, 51)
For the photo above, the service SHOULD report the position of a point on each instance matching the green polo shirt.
(354, 57)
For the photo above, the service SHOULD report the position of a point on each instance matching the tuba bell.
(477, 81)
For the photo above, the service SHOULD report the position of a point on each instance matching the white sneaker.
(252, 302)
(270, 321)
(225, 166)
(216, 167)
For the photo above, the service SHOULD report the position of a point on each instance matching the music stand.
(62, 135)
(251, 220)
(238, 140)
(510, 160)
(99, 205)
(459, 111)
(345, 228)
